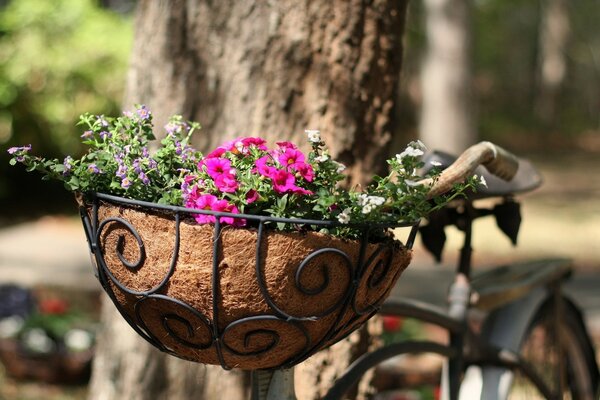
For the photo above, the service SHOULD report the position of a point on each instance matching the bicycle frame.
(483, 349)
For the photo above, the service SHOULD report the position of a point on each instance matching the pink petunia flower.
(283, 181)
(301, 191)
(291, 158)
(204, 202)
(217, 166)
(254, 141)
(263, 167)
(251, 196)
(225, 206)
(216, 153)
(212, 203)
(306, 171)
(287, 145)
(226, 183)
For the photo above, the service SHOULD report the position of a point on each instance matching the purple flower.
(105, 135)
(122, 171)
(23, 149)
(102, 120)
(68, 165)
(125, 183)
(145, 152)
(87, 135)
(136, 166)
(144, 178)
(93, 168)
(143, 112)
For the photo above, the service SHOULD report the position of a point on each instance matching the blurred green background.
(61, 58)
(58, 59)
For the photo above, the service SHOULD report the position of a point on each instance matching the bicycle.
(533, 338)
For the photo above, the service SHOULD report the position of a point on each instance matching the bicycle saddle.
(526, 179)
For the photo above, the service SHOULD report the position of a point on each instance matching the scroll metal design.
(171, 324)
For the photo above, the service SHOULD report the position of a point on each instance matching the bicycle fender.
(504, 328)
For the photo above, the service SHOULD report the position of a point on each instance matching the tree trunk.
(268, 68)
(553, 39)
(447, 115)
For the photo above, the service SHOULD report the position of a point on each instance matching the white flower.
(10, 326)
(314, 136)
(419, 145)
(435, 163)
(376, 200)
(322, 158)
(344, 216)
(37, 340)
(409, 152)
(362, 199)
(369, 203)
(482, 181)
(340, 167)
(78, 340)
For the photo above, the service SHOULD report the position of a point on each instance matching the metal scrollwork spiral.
(174, 322)
(241, 298)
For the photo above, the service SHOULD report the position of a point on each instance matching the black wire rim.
(191, 320)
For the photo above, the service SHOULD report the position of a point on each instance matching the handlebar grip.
(497, 161)
(504, 164)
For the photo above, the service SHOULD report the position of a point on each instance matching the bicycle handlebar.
(495, 159)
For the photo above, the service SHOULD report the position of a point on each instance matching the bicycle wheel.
(560, 353)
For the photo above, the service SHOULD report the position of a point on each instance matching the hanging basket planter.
(249, 298)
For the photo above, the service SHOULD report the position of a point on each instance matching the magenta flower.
(301, 191)
(306, 171)
(259, 143)
(225, 206)
(283, 181)
(217, 166)
(263, 167)
(226, 183)
(212, 203)
(218, 152)
(204, 202)
(287, 145)
(251, 196)
(291, 158)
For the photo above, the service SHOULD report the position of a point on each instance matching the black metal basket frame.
(93, 229)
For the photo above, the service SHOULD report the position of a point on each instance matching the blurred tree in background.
(58, 59)
(535, 74)
(528, 57)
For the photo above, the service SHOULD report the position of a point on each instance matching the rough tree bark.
(268, 68)
(447, 115)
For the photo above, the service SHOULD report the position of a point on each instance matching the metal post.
(273, 385)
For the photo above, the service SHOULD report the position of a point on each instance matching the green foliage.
(118, 160)
(241, 176)
(60, 58)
